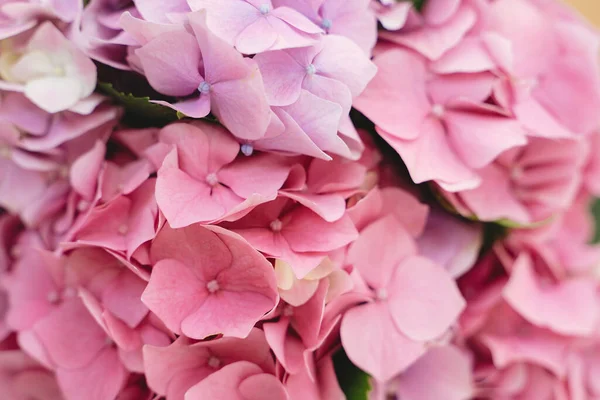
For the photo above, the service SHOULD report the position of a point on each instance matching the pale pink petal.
(373, 253)
(405, 91)
(282, 77)
(84, 382)
(569, 307)
(373, 343)
(171, 63)
(442, 373)
(424, 300)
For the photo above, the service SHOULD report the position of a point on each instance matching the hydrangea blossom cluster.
(436, 236)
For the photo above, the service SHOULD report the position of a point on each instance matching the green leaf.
(596, 214)
(139, 111)
(353, 381)
(418, 4)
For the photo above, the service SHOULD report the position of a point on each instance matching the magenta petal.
(171, 63)
(373, 343)
(424, 300)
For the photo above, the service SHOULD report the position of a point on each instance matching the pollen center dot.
(212, 179)
(438, 110)
(326, 23)
(247, 149)
(214, 362)
(53, 297)
(264, 9)
(381, 293)
(311, 69)
(123, 229)
(204, 87)
(276, 225)
(212, 286)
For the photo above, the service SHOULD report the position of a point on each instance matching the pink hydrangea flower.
(21, 377)
(255, 26)
(411, 300)
(204, 166)
(220, 80)
(207, 281)
(351, 19)
(440, 27)
(527, 184)
(172, 370)
(294, 233)
(335, 69)
(241, 380)
(44, 63)
(436, 118)
(18, 16)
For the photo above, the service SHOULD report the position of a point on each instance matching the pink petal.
(241, 105)
(501, 134)
(433, 42)
(229, 383)
(569, 307)
(374, 256)
(424, 300)
(173, 293)
(226, 18)
(406, 91)
(431, 157)
(260, 174)
(442, 373)
(319, 118)
(84, 382)
(342, 60)
(70, 335)
(306, 231)
(171, 63)
(373, 343)
(282, 77)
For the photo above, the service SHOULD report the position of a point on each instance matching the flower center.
(53, 297)
(326, 23)
(247, 149)
(381, 294)
(212, 179)
(311, 69)
(438, 110)
(276, 225)
(122, 229)
(212, 286)
(264, 9)
(4, 151)
(288, 311)
(204, 87)
(69, 292)
(214, 362)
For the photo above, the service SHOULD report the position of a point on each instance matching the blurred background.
(589, 8)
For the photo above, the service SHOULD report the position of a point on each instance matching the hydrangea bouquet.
(298, 200)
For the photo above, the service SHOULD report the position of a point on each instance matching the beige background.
(590, 8)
